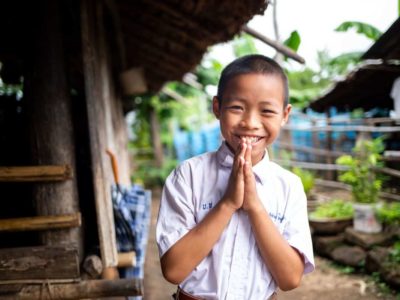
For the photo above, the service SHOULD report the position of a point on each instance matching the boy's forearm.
(284, 262)
(180, 260)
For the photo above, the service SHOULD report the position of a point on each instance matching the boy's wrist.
(228, 206)
(255, 208)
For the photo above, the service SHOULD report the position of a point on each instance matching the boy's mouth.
(252, 139)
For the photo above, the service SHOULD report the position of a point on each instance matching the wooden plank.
(46, 262)
(41, 223)
(97, 89)
(71, 291)
(35, 173)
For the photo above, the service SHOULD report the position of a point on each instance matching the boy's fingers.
(247, 155)
(239, 156)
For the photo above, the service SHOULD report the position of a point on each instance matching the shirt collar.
(225, 159)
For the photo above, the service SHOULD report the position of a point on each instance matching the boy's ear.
(216, 107)
(286, 114)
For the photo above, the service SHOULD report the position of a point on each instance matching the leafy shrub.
(365, 184)
(394, 254)
(307, 179)
(151, 176)
(389, 213)
(336, 208)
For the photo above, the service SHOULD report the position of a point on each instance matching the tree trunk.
(156, 138)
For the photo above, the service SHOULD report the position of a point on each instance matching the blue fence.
(191, 143)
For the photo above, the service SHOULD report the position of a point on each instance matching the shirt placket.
(239, 266)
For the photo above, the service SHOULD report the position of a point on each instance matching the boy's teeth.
(252, 139)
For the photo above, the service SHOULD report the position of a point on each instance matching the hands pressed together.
(241, 191)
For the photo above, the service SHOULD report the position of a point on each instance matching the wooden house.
(75, 61)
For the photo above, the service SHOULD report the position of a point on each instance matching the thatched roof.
(165, 38)
(387, 46)
(367, 87)
(370, 85)
(168, 38)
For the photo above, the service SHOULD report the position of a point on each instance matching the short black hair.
(252, 64)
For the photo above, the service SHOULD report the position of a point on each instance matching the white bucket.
(365, 219)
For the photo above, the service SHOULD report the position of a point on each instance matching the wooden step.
(35, 173)
(44, 262)
(79, 290)
(41, 223)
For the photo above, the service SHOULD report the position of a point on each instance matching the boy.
(232, 224)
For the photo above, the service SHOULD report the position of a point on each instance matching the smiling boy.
(232, 224)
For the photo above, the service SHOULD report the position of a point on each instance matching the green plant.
(389, 213)
(152, 176)
(341, 268)
(394, 254)
(336, 208)
(365, 183)
(307, 179)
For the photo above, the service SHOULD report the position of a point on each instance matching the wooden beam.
(81, 290)
(35, 173)
(338, 128)
(305, 149)
(48, 262)
(277, 46)
(41, 223)
(341, 185)
(97, 92)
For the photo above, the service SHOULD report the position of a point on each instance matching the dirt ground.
(326, 282)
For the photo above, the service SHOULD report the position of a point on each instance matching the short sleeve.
(176, 214)
(297, 230)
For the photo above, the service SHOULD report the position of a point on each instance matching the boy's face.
(253, 108)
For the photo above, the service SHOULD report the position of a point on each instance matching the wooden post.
(315, 140)
(99, 92)
(52, 136)
(329, 144)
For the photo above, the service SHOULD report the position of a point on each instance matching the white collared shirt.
(234, 269)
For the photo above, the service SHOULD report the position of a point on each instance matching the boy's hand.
(235, 191)
(251, 200)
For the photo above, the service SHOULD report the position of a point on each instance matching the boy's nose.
(250, 121)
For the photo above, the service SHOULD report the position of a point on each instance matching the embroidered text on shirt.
(207, 205)
(277, 217)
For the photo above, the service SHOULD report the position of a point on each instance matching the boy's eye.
(235, 107)
(268, 111)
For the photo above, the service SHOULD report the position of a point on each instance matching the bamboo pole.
(71, 291)
(277, 46)
(35, 173)
(126, 259)
(41, 223)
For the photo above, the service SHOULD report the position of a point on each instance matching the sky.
(315, 21)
